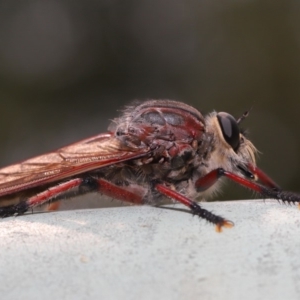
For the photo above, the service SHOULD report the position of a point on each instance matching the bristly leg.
(266, 192)
(284, 196)
(15, 209)
(73, 187)
(270, 191)
(195, 208)
(210, 217)
(49, 194)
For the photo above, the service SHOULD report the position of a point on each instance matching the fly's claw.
(224, 223)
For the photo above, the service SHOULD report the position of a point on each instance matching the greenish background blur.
(66, 67)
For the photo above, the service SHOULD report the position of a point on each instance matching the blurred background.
(67, 67)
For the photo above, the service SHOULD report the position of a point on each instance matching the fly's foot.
(220, 222)
(13, 210)
(224, 223)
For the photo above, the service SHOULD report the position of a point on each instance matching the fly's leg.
(15, 209)
(89, 185)
(109, 189)
(271, 190)
(73, 187)
(39, 199)
(263, 177)
(195, 208)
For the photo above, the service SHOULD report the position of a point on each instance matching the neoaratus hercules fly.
(156, 150)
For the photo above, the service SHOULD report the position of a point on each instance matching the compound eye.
(229, 129)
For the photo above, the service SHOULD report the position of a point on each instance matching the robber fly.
(155, 150)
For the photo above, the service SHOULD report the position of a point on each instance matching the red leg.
(263, 177)
(59, 191)
(211, 178)
(117, 192)
(208, 180)
(195, 208)
(53, 192)
(101, 185)
(40, 198)
(269, 191)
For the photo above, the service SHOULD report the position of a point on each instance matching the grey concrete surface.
(152, 253)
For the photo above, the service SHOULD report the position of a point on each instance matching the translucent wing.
(89, 154)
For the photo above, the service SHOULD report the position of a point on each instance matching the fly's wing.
(86, 155)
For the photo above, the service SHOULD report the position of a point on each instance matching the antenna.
(244, 116)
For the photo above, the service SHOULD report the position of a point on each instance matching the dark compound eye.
(230, 129)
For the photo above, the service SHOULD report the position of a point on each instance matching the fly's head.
(231, 151)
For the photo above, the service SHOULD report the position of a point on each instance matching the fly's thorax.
(154, 123)
(221, 153)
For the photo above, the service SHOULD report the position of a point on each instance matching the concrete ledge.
(149, 253)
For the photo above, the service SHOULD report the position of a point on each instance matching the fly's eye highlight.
(230, 129)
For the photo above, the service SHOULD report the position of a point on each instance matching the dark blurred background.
(66, 67)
